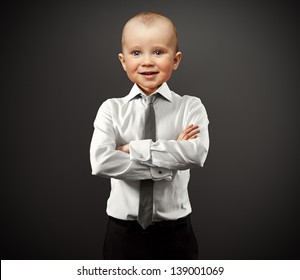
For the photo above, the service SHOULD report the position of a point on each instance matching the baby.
(146, 142)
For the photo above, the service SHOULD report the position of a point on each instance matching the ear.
(122, 60)
(177, 59)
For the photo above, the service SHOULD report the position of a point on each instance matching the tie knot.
(151, 98)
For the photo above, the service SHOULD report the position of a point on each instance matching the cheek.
(166, 66)
(131, 65)
(131, 70)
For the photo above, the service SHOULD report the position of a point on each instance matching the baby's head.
(149, 50)
(149, 19)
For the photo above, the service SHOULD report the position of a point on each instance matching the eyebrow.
(154, 47)
(134, 47)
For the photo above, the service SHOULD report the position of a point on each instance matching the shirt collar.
(163, 90)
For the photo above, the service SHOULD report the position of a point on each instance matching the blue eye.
(136, 53)
(158, 52)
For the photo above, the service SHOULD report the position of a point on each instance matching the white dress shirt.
(120, 121)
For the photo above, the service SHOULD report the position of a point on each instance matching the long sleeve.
(108, 162)
(172, 154)
(121, 121)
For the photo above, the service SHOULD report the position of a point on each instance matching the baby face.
(149, 54)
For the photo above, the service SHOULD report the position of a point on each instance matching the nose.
(147, 61)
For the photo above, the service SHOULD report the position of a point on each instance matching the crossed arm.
(145, 159)
(190, 132)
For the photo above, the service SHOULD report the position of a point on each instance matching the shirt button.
(141, 156)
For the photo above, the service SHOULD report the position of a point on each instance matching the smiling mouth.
(148, 73)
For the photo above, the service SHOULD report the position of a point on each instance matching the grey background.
(59, 63)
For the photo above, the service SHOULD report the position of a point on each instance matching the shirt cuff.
(159, 173)
(140, 150)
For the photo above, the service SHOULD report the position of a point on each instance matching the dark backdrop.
(59, 63)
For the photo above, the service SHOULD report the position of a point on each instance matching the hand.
(190, 132)
(124, 148)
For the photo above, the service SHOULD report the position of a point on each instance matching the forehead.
(159, 32)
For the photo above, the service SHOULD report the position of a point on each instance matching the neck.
(149, 91)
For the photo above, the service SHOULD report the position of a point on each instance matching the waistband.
(166, 223)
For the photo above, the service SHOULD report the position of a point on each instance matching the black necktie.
(146, 186)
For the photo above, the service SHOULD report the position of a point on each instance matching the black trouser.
(162, 240)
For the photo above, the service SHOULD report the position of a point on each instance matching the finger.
(188, 132)
(192, 133)
(190, 128)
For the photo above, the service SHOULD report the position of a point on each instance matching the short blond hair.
(150, 18)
